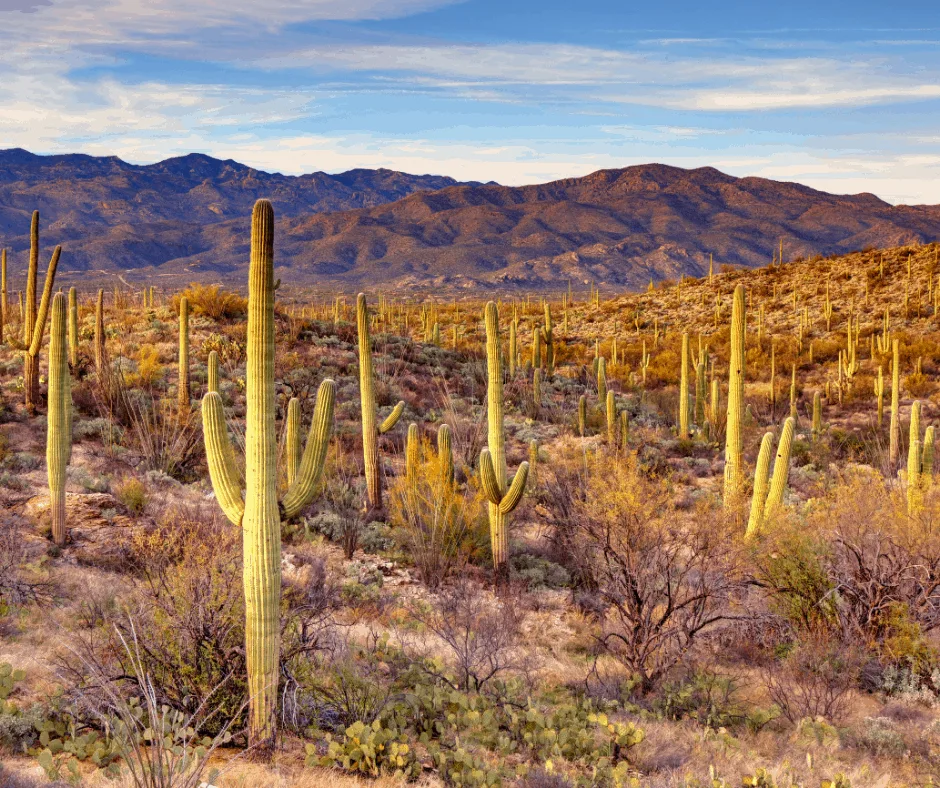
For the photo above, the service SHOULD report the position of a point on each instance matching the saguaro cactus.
(582, 415)
(894, 443)
(259, 513)
(445, 455)
(928, 455)
(213, 366)
(734, 446)
(761, 481)
(73, 327)
(183, 385)
(611, 420)
(59, 421)
(4, 314)
(684, 389)
(412, 458)
(503, 497)
(35, 321)
(880, 396)
(101, 356)
(778, 483)
(370, 430)
(601, 379)
(817, 415)
(548, 335)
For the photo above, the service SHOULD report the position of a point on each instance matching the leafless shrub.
(16, 586)
(664, 580)
(815, 679)
(480, 632)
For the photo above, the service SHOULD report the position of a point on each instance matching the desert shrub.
(703, 695)
(814, 679)
(879, 736)
(167, 440)
(537, 572)
(664, 579)
(438, 526)
(212, 301)
(133, 494)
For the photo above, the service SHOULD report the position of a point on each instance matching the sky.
(842, 96)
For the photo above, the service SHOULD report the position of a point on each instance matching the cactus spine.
(59, 424)
(778, 483)
(213, 366)
(761, 481)
(503, 497)
(370, 430)
(445, 455)
(733, 439)
(684, 389)
(35, 321)
(183, 385)
(73, 327)
(259, 513)
(894, 449)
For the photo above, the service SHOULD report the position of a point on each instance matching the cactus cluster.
(34, 319)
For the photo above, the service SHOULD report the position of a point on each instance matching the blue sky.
(842, 96)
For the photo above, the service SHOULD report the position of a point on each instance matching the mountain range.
(188, 218)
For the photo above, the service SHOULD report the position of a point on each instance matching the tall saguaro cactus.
(73, 327)
(894, 441)
(259, 512)
(684, 389)
(503, 497)
(370, 430)
(182, 392)
(59, 421)
(734, 446)
(34, 325)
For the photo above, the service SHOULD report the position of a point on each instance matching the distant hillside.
(188, 218)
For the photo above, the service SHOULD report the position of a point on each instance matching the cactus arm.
(761, 479)
(488, 479)
(73, 327)
(40, 326)
(778, 483)
(445, 455)
(29, 312)
(221, 459)
(392, 418)
(292, 439)
(516, 489)
(301, 492)
(213, 383)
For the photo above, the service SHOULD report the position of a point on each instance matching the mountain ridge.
(188, 217)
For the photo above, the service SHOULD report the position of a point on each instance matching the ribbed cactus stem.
(445, 455)
(734, 445)
(624, 429)
(4, 310)
(928, 455)
(611, 410)
(292, 439)
(880, 396)
(684, 389)
(582, 415)
(894, 442)
(778, 484)
(73, 327)
(761, 483)
(213, 367)
(412, 458)
(101, 357)
(602, 379)
(370, 429)
(35, 319)
(183, 385)
(817, 414)
(259, 513)
(59, 421)
(503, 498)
(549, 336)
